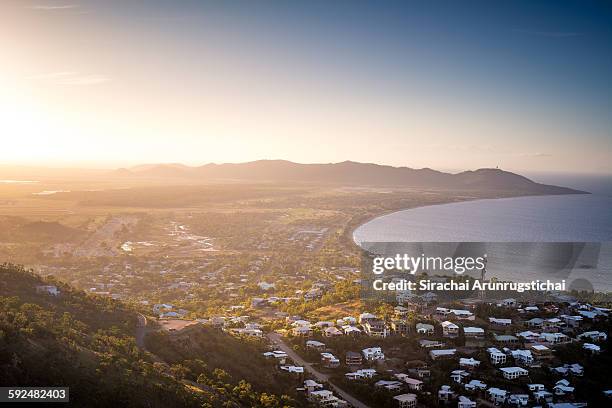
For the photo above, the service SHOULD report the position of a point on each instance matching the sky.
(451, 85)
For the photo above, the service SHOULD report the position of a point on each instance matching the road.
(319, 376)
(141, 330)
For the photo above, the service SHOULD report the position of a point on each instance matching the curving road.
(276, 339)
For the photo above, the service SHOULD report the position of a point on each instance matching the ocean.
(520, 235)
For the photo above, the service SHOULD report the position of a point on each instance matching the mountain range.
(347, 173)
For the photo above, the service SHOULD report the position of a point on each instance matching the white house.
(459, 375)
(468, 362)
(497, 395)
(522, 357)
(512, 373)
(465, 402)
(555, 338)
(473, 332)
(389, 385)
(593, 336)
(450, 329)
(593, 348)
(446, 353)
(424, 328)
(406, 400)
(315, 345)
(373, 354)
(497, 357)
(518, 400)
(413, 384)
(500, 322)
(475, 385)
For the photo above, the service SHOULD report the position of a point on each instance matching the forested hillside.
(87, 344)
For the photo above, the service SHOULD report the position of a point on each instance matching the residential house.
(315, 345)
(506, 339)
(353, 358)
(459, 375)
(424, 328)
(497, 395)
(406, 400)
(469, 363)
(522, 357)
(500, 322)
(594, 336)
(361, 374)
(473, 332)
(512, 373)
(465, 402)
(392, 385)
(375, 328)
(518, 400)
(555, 338)
(450, 329)
(462, 314)
(474, 385)
(329, 360)
(399, 326)
(563, 388)
(373, 354)
(332, 332)
(445, 394)
(413, 384)
(440, 354)
(325, 398)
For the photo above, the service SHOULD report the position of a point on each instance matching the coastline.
(368, 218)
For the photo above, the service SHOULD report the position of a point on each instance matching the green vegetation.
(87, 343)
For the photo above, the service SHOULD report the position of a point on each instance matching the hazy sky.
(454, 85)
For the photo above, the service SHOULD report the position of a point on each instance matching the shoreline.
(368, 219)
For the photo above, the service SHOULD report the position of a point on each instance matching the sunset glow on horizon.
(123, 83)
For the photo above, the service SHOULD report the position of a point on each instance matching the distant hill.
(348, 173)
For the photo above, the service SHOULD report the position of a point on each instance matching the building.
(450, 329)
(424, 328)
(475, 385)
(506, 339)
(465, 402)
(373, 354)
(497, 395)
(361, 374)
(474, 332)
(594, 336)
(392, 385)
(459, 375)
(399, 326)
(445, 394)
(512, 373)
(325, 398)
(329, 360)
(353, 358)
(315, 345)
(497, 357)
(375, 328)
(522, 357)
(413, 384)
(445, 353)
(500, 322)
(406, 400)
(469, 363)
(556, 338)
